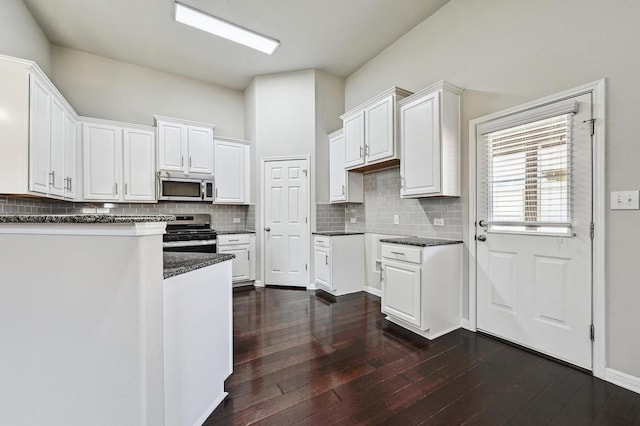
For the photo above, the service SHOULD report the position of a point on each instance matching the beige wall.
(105, 88)
(506, 52)
(20, 35)
(329, 99)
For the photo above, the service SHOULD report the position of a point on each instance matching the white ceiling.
(337, 36)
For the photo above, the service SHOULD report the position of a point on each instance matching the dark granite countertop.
(177, 263)
(419, 241)
(241, 231)
(337, 233)
(84, 218)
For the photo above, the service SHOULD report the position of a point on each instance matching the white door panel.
(535, 289)
(286, 217)
(139, 165)
(354, 140)
(58, 118)
(172, 146)
(200, 150)
(39, 137)
(401, 291)
(379, 130)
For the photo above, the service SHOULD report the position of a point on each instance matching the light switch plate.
(625, 200)
(396, 219)
(236, 220)
(354, 220)
(438, 222)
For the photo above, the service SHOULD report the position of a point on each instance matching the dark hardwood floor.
(307, 359)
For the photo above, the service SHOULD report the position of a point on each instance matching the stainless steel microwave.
(185, 188)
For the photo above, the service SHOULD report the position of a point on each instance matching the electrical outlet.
(354, 220)
(236, 220)
(438, 222)
(89, 210)
(625, 200)
(396, 219)
(102, 211)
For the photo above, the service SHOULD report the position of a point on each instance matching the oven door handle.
(192, 243)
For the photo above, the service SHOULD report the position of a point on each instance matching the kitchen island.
(88, 322)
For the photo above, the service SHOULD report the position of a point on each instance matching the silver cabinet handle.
(70, 184)
(248, 255)
(267, 229)
(190, 161)
(216, 193)
(233, 240)
(326, 259)
(66, 184)
(182, 161)
(401, 181)
(367, 151)
(126, 189)
(360, 152)
(52, 178)
(481, 238)
(116, 188)
(398, 252)
(342, 189)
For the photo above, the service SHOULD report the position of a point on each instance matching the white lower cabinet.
(421, 287)
(339, 263)
(243, 247)
(119, 162)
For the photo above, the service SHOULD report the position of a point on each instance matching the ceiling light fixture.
(205, 22)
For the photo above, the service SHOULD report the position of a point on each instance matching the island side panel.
(73, 313)
(197, 342)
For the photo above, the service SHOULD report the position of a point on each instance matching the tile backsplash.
(221, 215)
(416, 215)
(330, 217)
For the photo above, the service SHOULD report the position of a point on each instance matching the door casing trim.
(307, 253)
(598, 90)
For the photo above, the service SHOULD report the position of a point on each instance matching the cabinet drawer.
(322, 241)
(403, 253)
(233, 239)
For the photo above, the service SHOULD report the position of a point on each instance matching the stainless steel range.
(190, 233)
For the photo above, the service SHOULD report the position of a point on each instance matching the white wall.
(21, 36)
(105, 88)
(329, 99)
(283, 108)
(506, 52)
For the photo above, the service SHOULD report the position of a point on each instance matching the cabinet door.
(70, 150)
(337, 174)
(230, 172)
(401, 291)
(241, 264)
(322, 264)
(200, 150)
(354, 141)
(139, 161)
(420, 141)
(58, 118)
(39, 136)
(102, 146)
(378, 133)
(172, 147)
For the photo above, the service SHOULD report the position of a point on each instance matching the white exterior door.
(286, 203)
(379, 130)
(420, 145)
(337, 174)
(401, 291)
(200, 150)
(534, 245)
(139, 165)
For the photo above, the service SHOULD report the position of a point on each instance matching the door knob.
(481, 238)
(267, 229)
(483, 223)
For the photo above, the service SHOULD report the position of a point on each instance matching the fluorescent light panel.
(216, 26)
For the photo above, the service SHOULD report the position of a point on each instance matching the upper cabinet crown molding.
(429, 134)
(92, 120)
(370, 132)
(160, 118)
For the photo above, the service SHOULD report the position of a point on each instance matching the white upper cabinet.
(102, 148)
(139, 165)
(184, 146)
(119, 162)
(343, 186)
(232, 171)
(429, 132)
(52, 141)
(369, 132)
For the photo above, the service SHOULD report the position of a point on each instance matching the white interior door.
(534, 177)
(286, 204)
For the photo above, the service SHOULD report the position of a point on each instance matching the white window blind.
(529, 176)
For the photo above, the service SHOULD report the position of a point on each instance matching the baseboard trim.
(464, 323)
(621, 379)
(374, 291)
(312, 286)
(258, 283)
